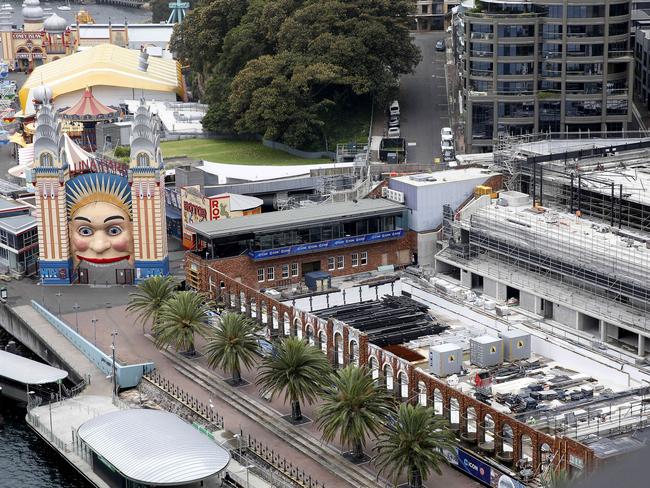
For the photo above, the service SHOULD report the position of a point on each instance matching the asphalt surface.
(423, 101)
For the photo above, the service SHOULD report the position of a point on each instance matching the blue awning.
(173, 213)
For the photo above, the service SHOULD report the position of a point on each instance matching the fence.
(126, 376)
(199, 408)
(270, 460)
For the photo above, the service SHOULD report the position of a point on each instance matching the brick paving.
(133, 347)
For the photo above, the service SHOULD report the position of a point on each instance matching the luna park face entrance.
(105, 276)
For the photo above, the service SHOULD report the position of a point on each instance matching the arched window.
(46, 160)
(143, 159)
(437, 402)
(354, 353)
(310, 335)
(338, 350)
(422, 393)
(374, 370)
(322, 341)
(388, 377)
(403, 385)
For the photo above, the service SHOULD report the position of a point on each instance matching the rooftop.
(290, 218)
(18, 223)
(9, 205)
(447, 176)
(153, 447)
(27, 371)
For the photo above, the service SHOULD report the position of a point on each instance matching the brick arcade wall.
(333, 337)
(397, 252)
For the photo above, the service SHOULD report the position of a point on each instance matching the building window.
(285, 270)
(340, 262)
(260, 274)
(364, 258)
(143, 159)
(355, 260)
(46, 160)
(294, 269)
(270, 273)
(330, 263)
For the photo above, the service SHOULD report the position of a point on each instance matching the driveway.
(423, 101)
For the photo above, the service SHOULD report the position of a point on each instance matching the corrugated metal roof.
(17, 223)
(154, 447)
(292, 218)
(27, 371)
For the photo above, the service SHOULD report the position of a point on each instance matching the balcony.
(485, 36)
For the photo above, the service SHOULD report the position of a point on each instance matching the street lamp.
(58, 300)
(114, 334)
(76, 308)
(94, 321)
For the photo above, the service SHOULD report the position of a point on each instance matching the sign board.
(480, 470)
(324, 245)
(220, 207)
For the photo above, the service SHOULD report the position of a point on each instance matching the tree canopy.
(287, 68)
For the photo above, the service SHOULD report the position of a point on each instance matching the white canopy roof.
(154, 447)
(27, 371)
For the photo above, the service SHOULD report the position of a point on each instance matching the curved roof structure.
(28, 371)
(154, 447)
(88, 108)
(107, 65)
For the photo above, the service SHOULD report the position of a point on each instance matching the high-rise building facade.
(544, 66)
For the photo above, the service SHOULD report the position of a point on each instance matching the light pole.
(51, 428)
(58, 300)
(76, 308)
(114, 334)
(94, 320)
(247, 477)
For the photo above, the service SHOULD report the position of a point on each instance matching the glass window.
(551, 31)
(482, 120)
(587, 30)
(331, 264)
(516, 49)
(585, 11)
(619, 9)
(516, 30)
(46, 160)
(294, 269)
(355, 260)
(618, 29)
(555, 11)
(143, 159)
(581, 108)
(285, 270)
(514, 86)
(364, 258)
(515, 68)
(616, 107)
(340, 262)
(270, 273)
(516, 109)
(260, 274)
(480, 68)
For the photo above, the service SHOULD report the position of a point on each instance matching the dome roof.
(55, 24)
(32, 11)
(42, 94)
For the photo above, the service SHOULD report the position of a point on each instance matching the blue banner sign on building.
(324, 245)
(479, 470)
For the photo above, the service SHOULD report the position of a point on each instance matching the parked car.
(394, 108)
(266, 348)
(213, 318)
(393, 121)
(446, 134)
(393, 132)
(440, 45)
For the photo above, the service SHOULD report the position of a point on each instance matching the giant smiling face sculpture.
(101, 231)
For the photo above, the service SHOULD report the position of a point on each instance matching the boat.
(65, 7)
(6, 6)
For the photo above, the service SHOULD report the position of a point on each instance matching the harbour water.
(101, 13)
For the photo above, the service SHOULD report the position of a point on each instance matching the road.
(423, 101)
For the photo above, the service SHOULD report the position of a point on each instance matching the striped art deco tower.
(146, 177)
(50, 174)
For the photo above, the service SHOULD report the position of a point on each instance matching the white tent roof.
(27, 371)
(154, 447)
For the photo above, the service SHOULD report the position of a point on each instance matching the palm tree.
(412, 442)
(298, 369)
(149, 297)
(233, 342)
(353, 407)
(181, 317)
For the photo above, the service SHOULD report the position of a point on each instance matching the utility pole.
(114, 334)
(94, 320)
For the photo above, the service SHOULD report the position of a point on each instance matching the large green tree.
(287, 68)
(412, 443)
(233, 343)
(297, 369)
(149, 297)
(181, 319)
(353, 407)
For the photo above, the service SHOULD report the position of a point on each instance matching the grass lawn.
(232, 152)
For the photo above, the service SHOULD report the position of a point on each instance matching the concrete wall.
(494, 289)
(466, 278)
(530, 302)
(565, 315)
(426, 247)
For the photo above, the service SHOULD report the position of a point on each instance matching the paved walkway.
(133, 346)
